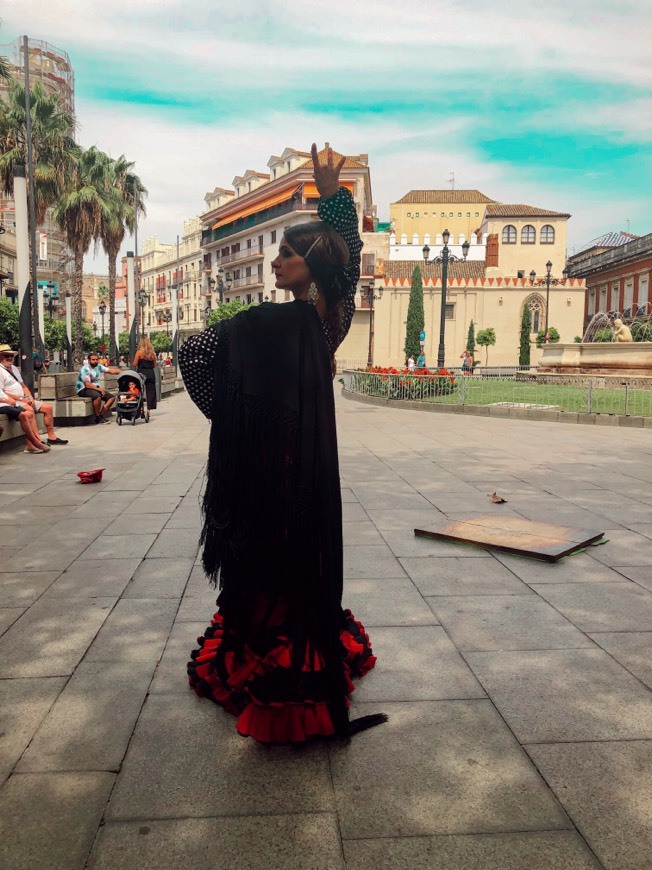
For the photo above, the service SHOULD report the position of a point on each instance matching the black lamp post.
(166, 317)
(48, 294)
(548, 280)
(223, 285)
(95, 329)
(207, 310)
(371, 297)
(142, 301)
(102, 309)
(444, 258)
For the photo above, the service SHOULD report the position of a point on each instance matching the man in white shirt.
(25, 416)
(12, 384)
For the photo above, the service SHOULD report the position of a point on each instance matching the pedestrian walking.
(145, 363)
(281, 651)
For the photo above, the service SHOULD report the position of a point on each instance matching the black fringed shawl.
(272, 505)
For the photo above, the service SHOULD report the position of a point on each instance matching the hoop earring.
(313, 293)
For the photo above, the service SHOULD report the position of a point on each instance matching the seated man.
(25, 416)
(88, 386)
(12, 384)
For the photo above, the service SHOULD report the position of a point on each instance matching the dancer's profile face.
(291, 270)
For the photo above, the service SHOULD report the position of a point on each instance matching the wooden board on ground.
(522, 537)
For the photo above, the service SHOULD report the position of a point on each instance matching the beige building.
(422, 212)
(491, 288)
(162, 268)
(243, 225)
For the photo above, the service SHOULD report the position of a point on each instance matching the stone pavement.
(520, 732)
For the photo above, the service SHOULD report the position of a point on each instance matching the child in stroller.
(131, 404)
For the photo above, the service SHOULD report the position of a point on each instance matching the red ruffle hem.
(237, 681)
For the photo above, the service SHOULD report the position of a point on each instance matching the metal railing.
(596, 396)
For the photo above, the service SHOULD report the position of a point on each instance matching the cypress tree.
(415, 317)
(524, 347)
(470, 340)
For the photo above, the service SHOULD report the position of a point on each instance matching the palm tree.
(89, 200)
(53, 147)
(5, 71)
(130, 190)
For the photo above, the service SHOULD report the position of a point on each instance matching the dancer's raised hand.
(327, 175)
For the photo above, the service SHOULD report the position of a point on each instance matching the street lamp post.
(207, 311)
(370, 297)
(102, 309)
(142, 301)
(48, 293)
(444, 258)
(166, 318)
(223, 285)
(95, 329)
(548, 280)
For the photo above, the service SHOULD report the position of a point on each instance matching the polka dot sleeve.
(339, 212)
(196, 361)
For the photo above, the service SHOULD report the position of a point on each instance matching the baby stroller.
(131, 405)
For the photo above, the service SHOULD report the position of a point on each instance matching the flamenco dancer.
(280, 651)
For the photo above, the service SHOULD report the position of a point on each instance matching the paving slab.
(134, 525)
(631, 649)
(438, 768)
(623, 606)
(642, 576)
(361, 533)
(434, 575)
(352, 512)
(307, 841)
(607, 789)
(170, 543)
(146, 505)
(213, 768)
(126, 547)
(185, 518)
(171, 676)
(625, 548)
(160, 578)
(393, 520)
(21, 589)
(406, 543)
(17, 512)
(387, 601)
(23, 706)
(49, 820)
(505, 622)
(136, 631)
(416, 663)
(50, 639)
(93, 578)
(537, 850)
(365, 561)
(565, 695)
(9, 615)
(579, 568)
(91, 722)
(198, 606)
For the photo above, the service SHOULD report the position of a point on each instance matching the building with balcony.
(166, 268)
(617, 268)
(243, 226)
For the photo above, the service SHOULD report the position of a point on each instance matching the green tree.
(227, 310)
(54, 150)
(525, 346)
(161, 342)
(126, 204)
(470, 340)
(415, 317)
(553, 336)
(55, 337)
(123, 344)
(9, 332)
(642, 331)
(102, 292)
(486, 338)
(88, 200)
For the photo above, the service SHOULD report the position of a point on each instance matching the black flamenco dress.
(281, 652)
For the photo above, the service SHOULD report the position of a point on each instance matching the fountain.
(610, 360)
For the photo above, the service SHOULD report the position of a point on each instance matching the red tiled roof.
(518, 210)
(349, 162)
(429, 197)
(404, 268)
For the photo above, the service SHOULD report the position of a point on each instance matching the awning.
(310, 190)
(259, 206)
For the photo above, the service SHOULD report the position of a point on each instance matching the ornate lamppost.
(207, 311)
(49, 295)
(444, 258)
(370, 297)
(142, 301)
(102, 309)
(223, 285)
(548, 280)
(166, 317)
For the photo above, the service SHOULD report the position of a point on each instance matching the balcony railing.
(248, 281)
(246, 254)
(254, 220)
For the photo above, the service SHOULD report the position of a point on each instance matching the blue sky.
(547, 103)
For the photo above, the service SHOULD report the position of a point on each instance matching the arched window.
(547, 235)
(509, 235)
(537, 307)
(528, 235)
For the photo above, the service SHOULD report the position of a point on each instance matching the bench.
(69, 408)
(12, 435)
